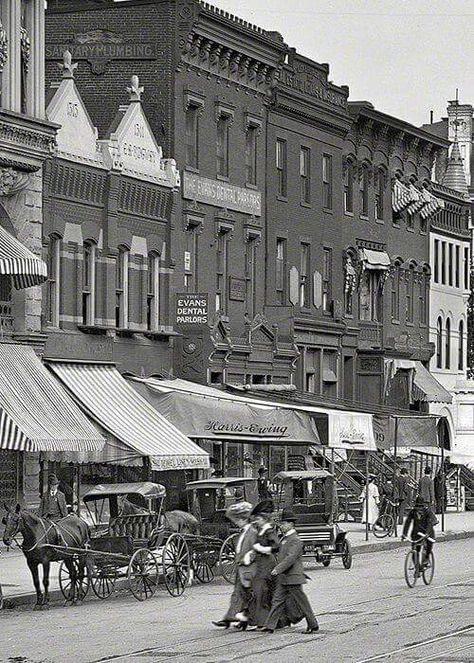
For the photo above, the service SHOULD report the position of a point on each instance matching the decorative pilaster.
(36, 85)
(11, 92)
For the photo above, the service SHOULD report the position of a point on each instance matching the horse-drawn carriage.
(208, 500)
(312, 496)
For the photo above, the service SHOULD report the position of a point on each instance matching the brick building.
(107, 221)
(208, 78)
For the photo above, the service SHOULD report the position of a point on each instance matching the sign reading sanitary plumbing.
(192, 309)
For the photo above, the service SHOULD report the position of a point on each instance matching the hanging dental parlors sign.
(192, 310)
(348, 430)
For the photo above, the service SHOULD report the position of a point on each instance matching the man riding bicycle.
(423, 521)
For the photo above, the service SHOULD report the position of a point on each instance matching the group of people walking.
(268, 591)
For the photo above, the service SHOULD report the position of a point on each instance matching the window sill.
(254, 187)
(94, 329)
(410, 230)
(222, 178)
(328, 210)
(409, 324)
(381, 221)
(283, 199)
(395, 322)
(191, 169)
(307, 205)
(346, 213)
(159, 333)
(363, 217)
(396, 225)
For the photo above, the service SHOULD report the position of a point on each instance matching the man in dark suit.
(426, 488)
(290, 577)
(53, 504)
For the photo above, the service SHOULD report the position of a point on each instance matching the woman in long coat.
(373, 502)
(265, 547)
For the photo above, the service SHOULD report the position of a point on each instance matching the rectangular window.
(364, 192)
(370, 296)
(423, 299)
(395, 294)
(223, 146)
(443, 263)
(88, 283)
(251, 277)
(54, 274)
(466, 268)
(305, 269)
(436, 261)
(327, 276)
(327, 181)
(379, 194)
(251, 155)
(450, 264)
(281, 270)
(349, 188)
(458, 266)
(222, 272)
(121, 289)
(410, 286)
(281, 166)
(305, 175)
(153, 292)
(192, 136)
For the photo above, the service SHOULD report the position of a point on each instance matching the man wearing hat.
(290, 577)
(53, 503)
(422, 520)
(239, 514)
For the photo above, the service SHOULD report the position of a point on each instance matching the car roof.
(221, 482)
(146, 489)
(303, 474)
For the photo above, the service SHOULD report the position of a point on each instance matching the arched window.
(54, 274)
(349, 186)
(461, 346)
(447, 351)
(88, 283)
(364, 191)
(424, 295)
(410, 292)
(153, 294)
(121, 288)
(439, 343)
(379, 193)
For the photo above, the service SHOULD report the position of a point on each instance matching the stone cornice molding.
(25, 142)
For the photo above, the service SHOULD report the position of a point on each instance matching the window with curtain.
(466, 268)
(423, 297)
(395, 292)
(326, 281)
(379, 194)
(54, 280)
(222, 272)
(222, 145)
(447, 347)
(370, 296)
(251, 274)
(251, 155)
(192, 136)
(121, 288)
(88, 283)
(461, 346)
(439, 343)
(304, 275)
(327, 181)
(305, 175)
(280, 270)
(436, 261)
(349, 187)
(410, 291)
(153, 292)
(281, 167)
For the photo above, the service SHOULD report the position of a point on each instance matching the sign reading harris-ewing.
(221, 194)
(192, 309)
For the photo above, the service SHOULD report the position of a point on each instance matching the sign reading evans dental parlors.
(192, 309)
(221, 194)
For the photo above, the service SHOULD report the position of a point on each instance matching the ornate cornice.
(25, 142)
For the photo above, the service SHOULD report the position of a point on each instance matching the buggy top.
(305, 475)
(146, 489)
(221, 482)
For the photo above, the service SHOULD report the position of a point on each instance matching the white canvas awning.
(20, 263)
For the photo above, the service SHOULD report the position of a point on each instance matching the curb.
(56, 597)
(364, 548)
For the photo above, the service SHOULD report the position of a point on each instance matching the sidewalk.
(17, 584)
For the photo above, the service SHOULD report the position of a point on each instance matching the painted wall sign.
(221, 194)
(237, 289)
(305, 78)
(192, 309)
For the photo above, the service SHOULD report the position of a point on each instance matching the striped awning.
(119, 409)
(426, 387)
(17, 261)
(36, 413)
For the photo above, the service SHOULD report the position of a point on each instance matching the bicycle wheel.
(428, 571)
(383, 526)
(411, 568)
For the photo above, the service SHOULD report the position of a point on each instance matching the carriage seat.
(137, 526)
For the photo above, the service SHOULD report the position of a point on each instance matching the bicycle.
(414, 568)
(385, 523)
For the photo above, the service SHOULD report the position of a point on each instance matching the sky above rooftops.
(405, 56)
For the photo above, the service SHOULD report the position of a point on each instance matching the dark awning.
(426, 387)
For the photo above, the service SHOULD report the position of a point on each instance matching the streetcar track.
(164, 652)
(433, 657)
(424, 643)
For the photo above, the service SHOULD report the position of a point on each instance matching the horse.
(180, 521)
(39, 535)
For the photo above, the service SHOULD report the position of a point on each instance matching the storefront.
(140, 443)
(239, 433)
(37, 416)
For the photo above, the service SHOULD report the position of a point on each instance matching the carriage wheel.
(103, 581)
(176, 564)
(66, 584)
(203, 569)
(227, 563)
(346, 554)
(428, 571)
(142, 574)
